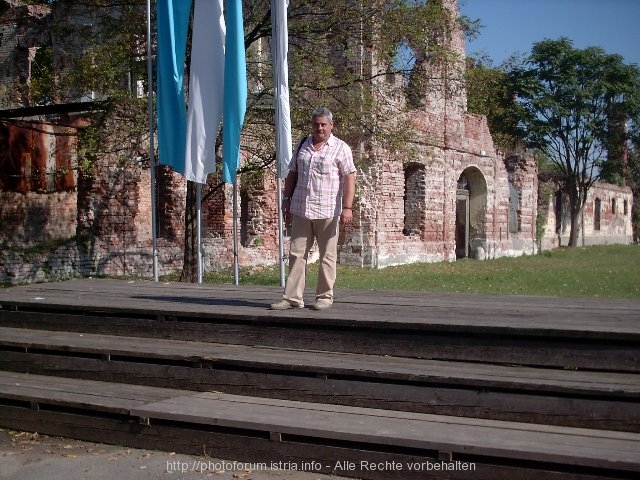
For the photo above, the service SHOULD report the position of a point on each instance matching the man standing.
(318, 193)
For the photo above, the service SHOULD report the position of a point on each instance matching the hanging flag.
(173, 25)
(279, 51)
(235, 90)
(206, 80)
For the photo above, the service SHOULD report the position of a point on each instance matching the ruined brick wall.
(29, 219)
(21, 31)
(37, 183)
(407, 206)
(611, 223)
(614, 215)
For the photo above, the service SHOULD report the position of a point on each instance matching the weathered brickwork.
(29, 219)
(408, 207)
(606, 218)
(21, 30)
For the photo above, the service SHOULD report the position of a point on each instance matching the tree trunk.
(575, 229)
(190, 264)
(576, 203)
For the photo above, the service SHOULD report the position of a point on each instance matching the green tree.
(572, 100)
(489, 94)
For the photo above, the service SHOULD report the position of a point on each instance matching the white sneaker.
(284, 304)
(323, 303)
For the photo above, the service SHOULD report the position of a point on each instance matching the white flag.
(279, 51)
(206, 89)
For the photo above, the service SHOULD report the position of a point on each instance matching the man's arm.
(287, 193)
(348, 194)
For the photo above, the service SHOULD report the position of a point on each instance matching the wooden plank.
(374, 367)
(602, 449)
(203, 292)
(556, 351)
(58, 391)
(609, 413)
(338, 459)
(545, 316)
(580, 448)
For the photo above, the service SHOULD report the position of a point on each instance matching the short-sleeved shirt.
(318, 192)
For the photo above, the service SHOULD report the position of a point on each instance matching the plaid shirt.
(318, 192)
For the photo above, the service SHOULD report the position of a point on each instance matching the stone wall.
(29, 219)
(613, 226)
(21, 32)
(407, 208)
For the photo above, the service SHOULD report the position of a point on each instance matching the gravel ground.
(29, 456)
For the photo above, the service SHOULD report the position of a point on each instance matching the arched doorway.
(471, 207)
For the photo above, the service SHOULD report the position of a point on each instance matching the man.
(318, 193)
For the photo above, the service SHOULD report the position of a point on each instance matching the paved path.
(28, 456)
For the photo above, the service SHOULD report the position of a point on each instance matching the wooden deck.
(603, 400)
(529, 387)
(538, 331)
(586, 318)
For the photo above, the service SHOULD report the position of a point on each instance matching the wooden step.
(350, 441)
(535, 331)
(601, 400)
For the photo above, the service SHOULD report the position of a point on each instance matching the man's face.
(321, 127)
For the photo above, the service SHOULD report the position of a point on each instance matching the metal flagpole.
(236, 272)
(152, 159)
(199, 219)
(278, 165)
(280, 228)
(279, 36)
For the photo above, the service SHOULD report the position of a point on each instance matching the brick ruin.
(455, 196)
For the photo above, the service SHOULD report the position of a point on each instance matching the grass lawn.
(611, 271)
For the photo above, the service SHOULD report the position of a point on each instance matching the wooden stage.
(384, 385)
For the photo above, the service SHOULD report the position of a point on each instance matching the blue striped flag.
(235, 90)
(173, 26)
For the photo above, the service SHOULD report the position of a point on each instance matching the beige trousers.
(303, 233)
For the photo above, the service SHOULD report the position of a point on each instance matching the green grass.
(600, 271)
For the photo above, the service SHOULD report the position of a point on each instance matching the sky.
(513, 26)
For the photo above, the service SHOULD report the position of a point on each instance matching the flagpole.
(280, 230)
(276, 78)
(199, 234)
(279, 42)
(152, 160)
(236, 272)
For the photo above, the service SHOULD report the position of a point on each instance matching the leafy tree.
(572, 101)
(489, 94)
(99, 53)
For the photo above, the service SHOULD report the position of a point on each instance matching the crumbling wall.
(37, 183)
(21, 32)
(606, 217)
(446, 143)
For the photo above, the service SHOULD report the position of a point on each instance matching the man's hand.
(347, 216)
(286, 206)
